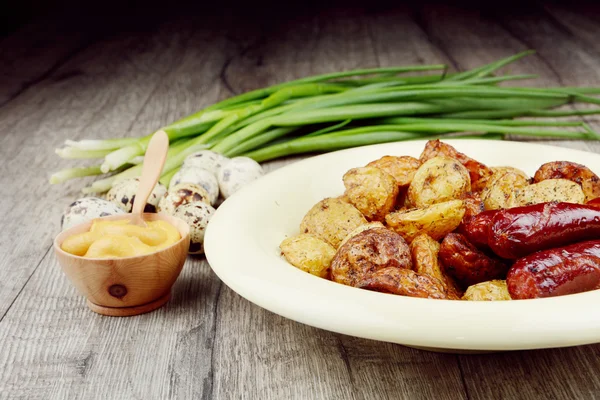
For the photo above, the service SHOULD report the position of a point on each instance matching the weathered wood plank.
(158, 78)
(311, 362)
(101, 98)
(524, 375)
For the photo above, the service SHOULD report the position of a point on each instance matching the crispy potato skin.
(580, 174)
(468, 265)
(368, 252)
(487, 291)
(478, 172)
(504, 169)
(404, 282)
(436, 220)
(439, 179)
(372, 191)
(331, 220)
(550, 190)
(499, 191)
(362, 228)
(401, 168)
(424, 251)
(308, 253)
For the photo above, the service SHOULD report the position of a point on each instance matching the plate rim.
(283, 300)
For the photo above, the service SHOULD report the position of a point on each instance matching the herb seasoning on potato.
(446, 226)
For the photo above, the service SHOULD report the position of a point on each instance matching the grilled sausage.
(476, 230)
(517, 232)
(468, 265)
(556, 272)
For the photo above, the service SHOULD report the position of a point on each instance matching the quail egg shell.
(86, 209)
(236, 173)
(197, 215)
(123, 195)
(181, 194)
(198, 176)
(206, 159)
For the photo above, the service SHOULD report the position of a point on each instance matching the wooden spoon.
(154, 160)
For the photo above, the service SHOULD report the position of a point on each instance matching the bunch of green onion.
(347, 109)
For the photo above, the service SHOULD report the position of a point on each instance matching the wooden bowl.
(125, 286)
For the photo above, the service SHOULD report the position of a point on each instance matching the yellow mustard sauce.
(118, 239)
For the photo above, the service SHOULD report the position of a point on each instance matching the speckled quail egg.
(123, 194)
(86, 209)
(197, 215)
(238, 172)
(198, 176)
(181, 194)
(206, 159)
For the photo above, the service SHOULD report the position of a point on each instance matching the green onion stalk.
(347, 109)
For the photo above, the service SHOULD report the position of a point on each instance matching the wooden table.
(106, 76)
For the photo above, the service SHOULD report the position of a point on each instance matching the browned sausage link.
(594, 202)
(580, 174)
(404, 282)
(367, 252)
(476, 230)
(556, 272)
(468, 265)
(517, 232)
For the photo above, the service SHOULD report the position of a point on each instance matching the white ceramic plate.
(242, 248)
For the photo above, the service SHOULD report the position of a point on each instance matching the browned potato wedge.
(438, 179)
(499, 191)
(331, 220)
(504, 169)
(580, 174)
(404, 282)
(367, 252)
(549, 190)
(401, 168)
(424, 251)
(487, 291)
(436, 220)
(478, 172)
(308, 253)
(362, 228)
(372, 191)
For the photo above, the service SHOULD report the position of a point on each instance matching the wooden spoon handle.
(154, 160)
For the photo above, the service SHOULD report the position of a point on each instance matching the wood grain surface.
(128, 77)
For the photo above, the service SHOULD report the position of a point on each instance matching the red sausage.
(556, 272)
(468, 265)
(594, 202)
(517, 232)
(477, 229)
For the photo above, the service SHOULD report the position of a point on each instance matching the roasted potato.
(367, 252)
(436, 220)
(401, 168)
(478, 172)
(424, 251)
(308, 253)
(404, 282)
(580, 174)
(560, 190)
(504, 169)
(362, 228)
(331, 220)
(499, 190)
(372, 191)
(439, 179)
(487, 291)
